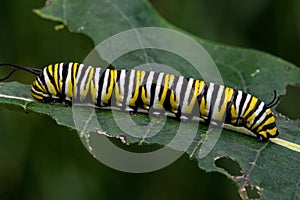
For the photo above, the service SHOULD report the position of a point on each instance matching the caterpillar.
(156, 92)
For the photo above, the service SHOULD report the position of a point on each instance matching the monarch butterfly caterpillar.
(156, 92)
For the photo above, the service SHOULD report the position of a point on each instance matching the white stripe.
(217, 102)
(148, 85)
(170, 81)
(187, 94)
(245, 104)
(178, 88)
(83, 81)
(61, 71)
(122, 83)
(157, 89)
(130, 86)
(238, 101)
(47, 80)
(40, 82)
(67, 80)
(105, 83)
(260, 108)
(96, 81)
(209, 96)
(76, 84)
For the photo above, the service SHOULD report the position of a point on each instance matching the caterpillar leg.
(68, 102)
(157, 113)
(185, 118)
(182, 117)
(132, 111)
(261, 138)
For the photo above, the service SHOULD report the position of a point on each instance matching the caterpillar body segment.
(156, 92)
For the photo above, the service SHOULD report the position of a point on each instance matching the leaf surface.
(271, 169)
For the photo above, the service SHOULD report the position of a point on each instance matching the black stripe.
(173, 86)
(257, 117)
(254, 109)
(100, 86)
(262, 122)
(233, 98)
(185, 82)
(167, 103)
(41, 79)
(153, 88)
(191, 92)
(64, 77)
(143, 85)
(126, 87)
(109, 82)
(80, 79)
(222, 99)
(32, 91)
(72, 72)
(268, 127)
(51, 78)
(134, 83)
(213, 99)
(229, 105)
(248, 105)
(203, 94)
(242, 102)
(162, 85)
(174, 83)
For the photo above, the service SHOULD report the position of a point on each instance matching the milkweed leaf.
(272, 171)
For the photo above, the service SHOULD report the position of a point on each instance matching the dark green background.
(39, 160)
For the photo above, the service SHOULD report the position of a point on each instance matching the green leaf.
(272, 170)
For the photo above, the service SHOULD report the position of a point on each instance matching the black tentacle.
(30, 70)
(274, 101)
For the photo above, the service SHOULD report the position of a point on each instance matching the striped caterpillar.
(156, 92)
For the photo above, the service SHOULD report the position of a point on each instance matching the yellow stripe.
(263, 133)
(40, 87)
(69, 93)
(269, 121)
(203, 104)
(37, 96)
(93, 89)
(173, 98)
(272, 131)
(87, 86)
(164, 93)
(203, 108)
(251, 107)
(50, 86)
(196, 90)
(75, 69)
(50, 70)
(60, 80)
(118, 93)
(107, 95)
(144, 96)
(55, 76)
(228, 96)
(136, 91)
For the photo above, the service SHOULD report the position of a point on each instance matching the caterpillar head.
(48, 86)
(39, 91)
(267, 129)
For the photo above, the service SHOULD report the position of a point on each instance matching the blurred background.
(40, 160)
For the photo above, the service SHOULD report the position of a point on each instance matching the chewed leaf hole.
(230, 165)
(289, 104)
(252, 192)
